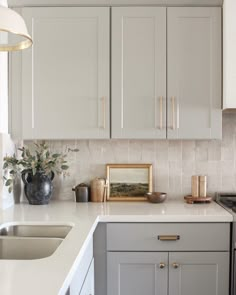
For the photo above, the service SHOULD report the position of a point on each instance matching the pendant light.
(13, 32)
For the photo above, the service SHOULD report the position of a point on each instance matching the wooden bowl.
(156, 197)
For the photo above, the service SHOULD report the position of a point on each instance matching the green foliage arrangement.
(41, 160)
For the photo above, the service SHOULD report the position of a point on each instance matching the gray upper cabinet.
(194, 73)
(192, 91)
(115, 2)
(65, 87)
(164, 71)
(138, 72)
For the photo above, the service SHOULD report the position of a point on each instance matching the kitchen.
(189, 147)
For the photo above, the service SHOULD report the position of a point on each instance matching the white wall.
(229, 58)
(3, 84)
(3, 92)
(6, 144)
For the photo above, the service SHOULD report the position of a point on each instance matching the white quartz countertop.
(52, 275)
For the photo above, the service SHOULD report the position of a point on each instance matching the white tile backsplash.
(201, 150)
(189, 151)
(173, 161)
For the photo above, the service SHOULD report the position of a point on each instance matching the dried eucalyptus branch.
(42, 160)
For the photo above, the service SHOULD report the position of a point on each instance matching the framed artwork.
(128, 181)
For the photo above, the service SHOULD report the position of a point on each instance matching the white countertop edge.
(67, 282)
(167, 219)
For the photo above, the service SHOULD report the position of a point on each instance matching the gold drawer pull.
(168, 237)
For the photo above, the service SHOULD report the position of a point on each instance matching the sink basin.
(29, 230)
(31, 241)
(27, 248)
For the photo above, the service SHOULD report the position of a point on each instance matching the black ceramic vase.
(38, 188)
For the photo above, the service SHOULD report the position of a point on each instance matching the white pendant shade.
(13, 31)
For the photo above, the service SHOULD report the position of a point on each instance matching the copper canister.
(98, 190)
(203, 185)
(195, 186)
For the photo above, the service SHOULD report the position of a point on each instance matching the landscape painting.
(129, 181)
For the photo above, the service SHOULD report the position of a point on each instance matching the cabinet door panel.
(84, 266)
(199, 273)
(136, 273)
(66, 73)
(138, 72)
(88, 286)
(194, 73)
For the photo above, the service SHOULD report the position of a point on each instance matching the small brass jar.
(98, 186)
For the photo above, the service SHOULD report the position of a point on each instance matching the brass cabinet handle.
(161, 111)
(177, 113)
(162, 265)
(173, 112)
(175, 265)
(104, 112)
(168, 237)
(155, 111)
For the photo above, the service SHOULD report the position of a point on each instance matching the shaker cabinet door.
(138, 72)
(194, 72)
(137, 273)
(198, 273)
(65, 90)
(88, 286)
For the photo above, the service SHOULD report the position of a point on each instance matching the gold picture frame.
(128, 182)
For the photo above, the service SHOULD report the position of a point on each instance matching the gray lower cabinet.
(168, 258)
(137, 273)
(154, 273)
(198, 273)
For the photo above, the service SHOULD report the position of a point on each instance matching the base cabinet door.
(168, 273)
(83, 279)
(137, 273)
(88, 286)
(198, 273)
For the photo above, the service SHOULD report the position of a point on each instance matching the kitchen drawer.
(154, 236)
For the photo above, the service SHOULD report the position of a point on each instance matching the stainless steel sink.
(29, 230)
(19, 248)
(30, 241)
